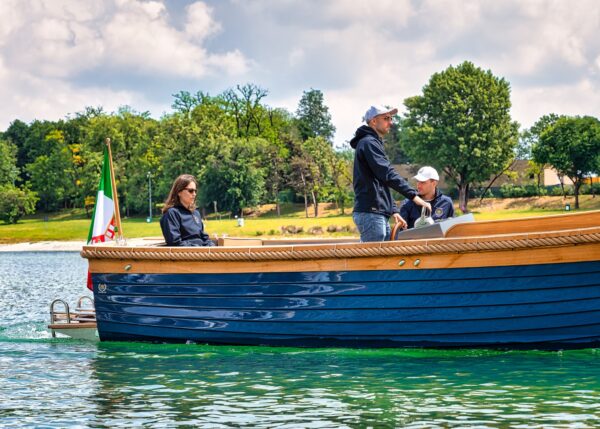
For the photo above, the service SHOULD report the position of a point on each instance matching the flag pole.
(116, 197)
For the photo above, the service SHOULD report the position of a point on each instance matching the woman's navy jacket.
(182, 227)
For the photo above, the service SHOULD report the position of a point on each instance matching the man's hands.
(421, 202)
(399, 219)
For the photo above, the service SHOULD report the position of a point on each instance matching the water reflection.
(57, 383)
(241, 386)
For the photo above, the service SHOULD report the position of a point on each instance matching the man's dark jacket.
(181, 227)
(441, 208)
(374, 175)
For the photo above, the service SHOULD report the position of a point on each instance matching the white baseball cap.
(376, 111)
(426, 173)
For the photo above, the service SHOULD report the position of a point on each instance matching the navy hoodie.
(374, 175)
(181, 227)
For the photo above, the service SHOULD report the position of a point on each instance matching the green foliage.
(51, 174)
(244, 104)
(15, 202)
(558, 191)
(572, 147)
(593, 189)
(234, 176)
(319, 172)
(8, 163)
(396, 140)
(462, 126)
(185, 102)
(531, 137)
(17, 134)
(313, 117)
(509, 190)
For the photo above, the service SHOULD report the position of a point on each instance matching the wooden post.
(115, 195)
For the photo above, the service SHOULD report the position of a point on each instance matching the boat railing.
(59, 316)
(84, 313)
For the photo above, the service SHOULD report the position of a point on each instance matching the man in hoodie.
(374, 176)
(441, 205)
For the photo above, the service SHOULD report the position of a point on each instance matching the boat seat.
(437, 230)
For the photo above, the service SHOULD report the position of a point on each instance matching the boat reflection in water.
(525, 283)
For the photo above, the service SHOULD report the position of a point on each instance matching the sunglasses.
(191, 191)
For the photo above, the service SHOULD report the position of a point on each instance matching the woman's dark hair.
(179, 185)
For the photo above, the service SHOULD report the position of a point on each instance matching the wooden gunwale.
(558, 222)
(570, 245)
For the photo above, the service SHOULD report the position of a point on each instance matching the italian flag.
(103, 220)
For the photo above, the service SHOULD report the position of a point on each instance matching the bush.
(509, 190)
(593, 189)
(286, 196)
(15, 202)
(557, 191)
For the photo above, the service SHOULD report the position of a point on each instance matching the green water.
(47, 382)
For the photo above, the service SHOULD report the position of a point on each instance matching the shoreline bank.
(63, 246)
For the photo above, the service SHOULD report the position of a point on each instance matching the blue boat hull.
(548, 306)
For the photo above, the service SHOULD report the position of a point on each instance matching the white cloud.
(48, 48)
(52, 99)
(530, 103)
(357, 53)
(140, 37)
(382, 53)
(200, 23)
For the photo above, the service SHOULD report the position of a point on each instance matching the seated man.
(441, 205)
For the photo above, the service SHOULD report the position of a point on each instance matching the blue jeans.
(372, 226)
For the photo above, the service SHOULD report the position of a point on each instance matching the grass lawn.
(73, 225)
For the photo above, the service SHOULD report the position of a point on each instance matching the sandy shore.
(66, 246)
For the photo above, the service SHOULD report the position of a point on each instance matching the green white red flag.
(103, 226)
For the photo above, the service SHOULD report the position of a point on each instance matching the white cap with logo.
(427, 173)
(376, 111)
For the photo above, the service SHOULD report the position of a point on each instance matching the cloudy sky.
(59, 56)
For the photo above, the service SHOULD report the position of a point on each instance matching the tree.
(15, 202)
(341, 169)
(17, 134)
(234, 177)
(312, 168)
(313, 116)
(395, 142)
(461, 125)
(571, 146)
(185, 102)
(244, 104)
(530, 138)
(8, 163)
(50, 174)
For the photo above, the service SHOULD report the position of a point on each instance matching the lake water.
(48, 383)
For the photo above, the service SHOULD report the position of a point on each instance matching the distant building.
(518, 175)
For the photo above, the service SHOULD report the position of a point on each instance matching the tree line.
(245, 152)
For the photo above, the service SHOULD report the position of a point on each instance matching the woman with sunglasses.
(181, 223)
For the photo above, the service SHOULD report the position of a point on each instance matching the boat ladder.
(67, 321)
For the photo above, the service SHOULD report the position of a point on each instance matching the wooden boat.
(525, 283)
